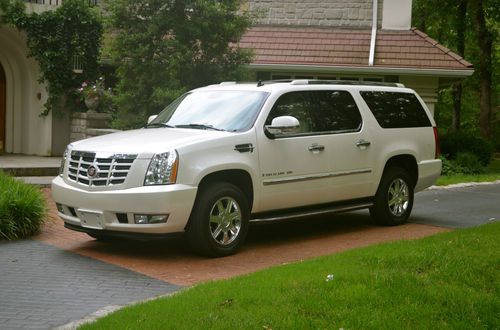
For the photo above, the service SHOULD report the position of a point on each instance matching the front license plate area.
(91, 219)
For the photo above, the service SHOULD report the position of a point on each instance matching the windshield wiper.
(158, 125)
(199, 126)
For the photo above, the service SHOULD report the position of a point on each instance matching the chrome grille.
(105, 171)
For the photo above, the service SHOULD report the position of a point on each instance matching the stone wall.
(333, 13)
(86, 125)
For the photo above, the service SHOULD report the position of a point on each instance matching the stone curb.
(463, 185)
(73, 325)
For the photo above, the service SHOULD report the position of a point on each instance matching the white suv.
(222, 156)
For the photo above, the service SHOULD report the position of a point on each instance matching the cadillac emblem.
(92, 172)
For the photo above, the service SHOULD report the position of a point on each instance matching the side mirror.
(151, 118)
(282, 125)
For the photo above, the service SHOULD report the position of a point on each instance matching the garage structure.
(365, 40)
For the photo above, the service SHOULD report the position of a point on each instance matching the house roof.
(410, 50)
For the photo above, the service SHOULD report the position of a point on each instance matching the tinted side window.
(296, 104)
(395, 110)
(335, 111)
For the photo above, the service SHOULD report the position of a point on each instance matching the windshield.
(232, 111)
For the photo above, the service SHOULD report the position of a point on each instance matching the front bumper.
(113, 210)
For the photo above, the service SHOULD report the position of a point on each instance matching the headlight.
(63, 162)
(162, 169)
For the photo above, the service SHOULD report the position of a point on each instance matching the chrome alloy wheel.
(225, 220)
(398, 197)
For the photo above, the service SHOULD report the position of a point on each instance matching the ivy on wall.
(54, 38)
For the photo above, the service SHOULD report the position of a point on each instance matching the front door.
(3, 106)
(293, 165)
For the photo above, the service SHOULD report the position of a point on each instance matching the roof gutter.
(371, 57)
(363, 70)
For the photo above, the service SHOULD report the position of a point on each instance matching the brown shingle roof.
(348, 47)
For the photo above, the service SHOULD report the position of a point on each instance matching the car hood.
(146, 142)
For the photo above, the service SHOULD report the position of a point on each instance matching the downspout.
(374, 33)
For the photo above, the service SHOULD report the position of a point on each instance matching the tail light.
(436, 140)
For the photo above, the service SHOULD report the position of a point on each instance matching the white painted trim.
(373, 39)
(26, 132)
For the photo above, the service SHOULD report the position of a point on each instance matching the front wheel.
(219, 222)
(394, 198)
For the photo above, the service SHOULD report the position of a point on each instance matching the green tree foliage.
(471, 28)
(163, 48)
(54, 37)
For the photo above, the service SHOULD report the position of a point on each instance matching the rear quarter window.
(396, 109)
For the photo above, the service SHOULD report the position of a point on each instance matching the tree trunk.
(485, 43)
(456, 91)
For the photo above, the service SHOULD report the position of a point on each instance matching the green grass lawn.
(450, 280)
(492, 173)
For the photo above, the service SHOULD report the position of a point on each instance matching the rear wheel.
(394, 198)
(219, 222)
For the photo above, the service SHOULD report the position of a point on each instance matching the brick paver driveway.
(266, 245)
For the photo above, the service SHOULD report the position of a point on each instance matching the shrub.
(454, 143)
(469, 163)
(448, 167)
(464, 163)
(22, 208)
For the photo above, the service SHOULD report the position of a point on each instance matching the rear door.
(348, 142)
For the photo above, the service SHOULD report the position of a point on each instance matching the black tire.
(394, 198)
(218, 223)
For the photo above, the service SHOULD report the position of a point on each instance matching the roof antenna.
(260, 84)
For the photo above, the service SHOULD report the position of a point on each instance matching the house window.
(349, 78)
(280, 77)
(373, 79)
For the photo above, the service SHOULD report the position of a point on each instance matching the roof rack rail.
(344, 82)
(328, 82)
(277, 81)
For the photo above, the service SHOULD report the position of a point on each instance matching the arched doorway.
(3, 106)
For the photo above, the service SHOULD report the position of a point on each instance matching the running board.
(301, 213)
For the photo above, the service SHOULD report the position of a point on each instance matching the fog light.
(60, 208)
(142, 219)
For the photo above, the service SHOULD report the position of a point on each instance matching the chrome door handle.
(363, 143)
(316, 147)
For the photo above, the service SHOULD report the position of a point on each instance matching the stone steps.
(34, 170)
(31, 171)
(40, 181)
